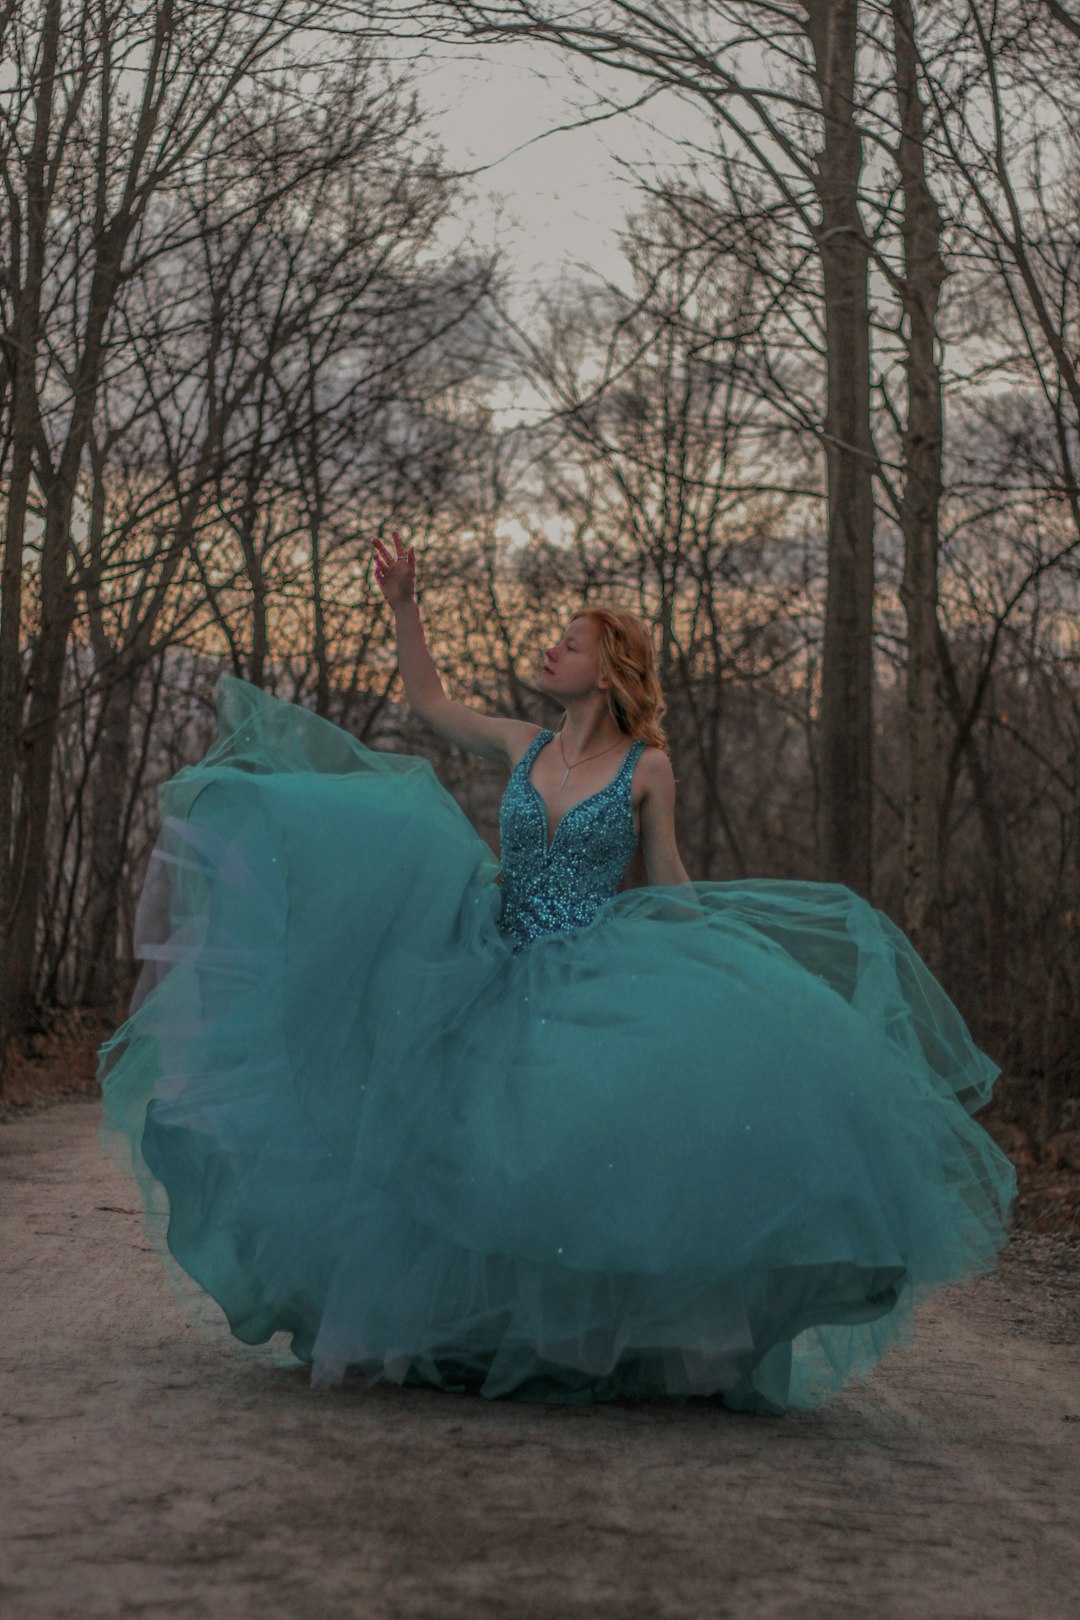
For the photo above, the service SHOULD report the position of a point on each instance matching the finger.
(381, 549)
(397, 544)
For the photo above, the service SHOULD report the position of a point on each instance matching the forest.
(822, 434)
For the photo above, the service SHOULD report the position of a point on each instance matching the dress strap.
(633, 754)
(525, 762)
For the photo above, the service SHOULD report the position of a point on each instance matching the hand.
(395, 575)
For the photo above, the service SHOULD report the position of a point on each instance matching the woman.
(544, 1139)
(601, 672)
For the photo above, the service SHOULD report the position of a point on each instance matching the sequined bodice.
(552, 888)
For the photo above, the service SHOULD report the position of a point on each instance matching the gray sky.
(564, 197)
(553, 205)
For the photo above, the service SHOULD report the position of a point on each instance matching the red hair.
(628, 664)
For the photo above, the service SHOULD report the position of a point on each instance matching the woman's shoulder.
(653, 772)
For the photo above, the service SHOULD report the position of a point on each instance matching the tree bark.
(924, 274)
(110, 791)
(25, 431)
(49, 657)
(846, 720)
(46, 682)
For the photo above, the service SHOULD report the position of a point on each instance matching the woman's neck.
(587, 727)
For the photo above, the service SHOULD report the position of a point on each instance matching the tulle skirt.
(717, 1143)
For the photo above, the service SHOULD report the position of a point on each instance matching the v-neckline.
(550, 842)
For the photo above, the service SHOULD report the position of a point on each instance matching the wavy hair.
(635, 700)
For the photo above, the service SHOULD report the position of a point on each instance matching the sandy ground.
(149, 1470)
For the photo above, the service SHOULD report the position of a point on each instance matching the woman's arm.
(503, 741)
(662, 861)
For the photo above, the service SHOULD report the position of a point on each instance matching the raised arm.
(490, 736)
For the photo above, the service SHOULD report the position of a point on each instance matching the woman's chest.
(544, 813)
(560, 793)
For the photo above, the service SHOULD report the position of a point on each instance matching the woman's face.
(570, 668)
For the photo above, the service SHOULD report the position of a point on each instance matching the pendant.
(565, 774)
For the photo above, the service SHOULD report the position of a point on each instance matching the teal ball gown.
(536, 1138)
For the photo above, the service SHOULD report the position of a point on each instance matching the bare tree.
(125, 131)
(658, 465)
(919, 499)
(713, 52)
(108, 109)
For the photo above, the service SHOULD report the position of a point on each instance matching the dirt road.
(150, 1471)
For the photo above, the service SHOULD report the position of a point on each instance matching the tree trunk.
(111, 786)
(46, 683)
(11, 688)
(994, 887)
(25, 427)
(846, 722)
(924, 274)
(47, 663)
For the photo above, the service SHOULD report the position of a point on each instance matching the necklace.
(578, 762)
